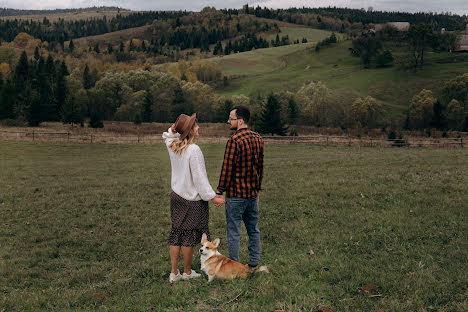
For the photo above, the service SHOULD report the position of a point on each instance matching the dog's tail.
(262, 268)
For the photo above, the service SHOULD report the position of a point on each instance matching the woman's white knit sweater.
(189, 179)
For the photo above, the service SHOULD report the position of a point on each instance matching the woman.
(190, 194)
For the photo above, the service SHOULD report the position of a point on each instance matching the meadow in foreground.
(84, 227)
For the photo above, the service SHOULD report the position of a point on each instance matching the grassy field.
(113, 38)
(295, 32)
(70, 16)
(393, 87)
(265, 61)
(83, 227)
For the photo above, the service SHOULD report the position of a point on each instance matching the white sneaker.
(174, 278)
(193, 274)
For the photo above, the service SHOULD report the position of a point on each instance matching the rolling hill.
(288, 67)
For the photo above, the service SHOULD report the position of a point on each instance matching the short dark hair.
(242, 112)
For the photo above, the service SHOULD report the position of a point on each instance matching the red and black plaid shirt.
(242, 171)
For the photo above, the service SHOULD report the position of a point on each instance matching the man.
(241, 179)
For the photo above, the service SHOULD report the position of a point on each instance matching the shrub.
(11, 123)
(293, 132)
(96, 122)
(400, 142)
(137, 120)
(391, 135)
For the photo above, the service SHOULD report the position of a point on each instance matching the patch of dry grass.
(71, 16)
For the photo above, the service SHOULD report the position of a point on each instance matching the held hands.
(218, 200)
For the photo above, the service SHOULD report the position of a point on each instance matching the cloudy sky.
(454, 6)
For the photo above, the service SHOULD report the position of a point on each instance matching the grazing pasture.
(289, 67)
(83, 227)
(264, 61)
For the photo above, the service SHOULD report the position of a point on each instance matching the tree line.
(17, 12)
(332, 18)
(42, 89)
(374, 47)
(61, 30)
(36, 91)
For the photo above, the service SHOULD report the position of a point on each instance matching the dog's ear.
(203, 238)
(216, 242)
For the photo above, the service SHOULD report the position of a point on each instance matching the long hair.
(179, 146)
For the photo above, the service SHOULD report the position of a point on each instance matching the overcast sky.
(454, 6)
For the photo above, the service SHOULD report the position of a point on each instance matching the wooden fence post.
(68, 137)
(91, 138)
(461, 142)
(33, 135)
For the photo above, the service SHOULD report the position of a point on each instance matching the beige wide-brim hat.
(184, 124)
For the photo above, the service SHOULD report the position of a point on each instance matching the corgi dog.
(216, 265)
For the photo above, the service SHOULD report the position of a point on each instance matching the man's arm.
(228, 165)
(260, 166)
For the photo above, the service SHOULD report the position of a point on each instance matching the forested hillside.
(310, 66)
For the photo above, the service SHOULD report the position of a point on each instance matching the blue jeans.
(237, 210)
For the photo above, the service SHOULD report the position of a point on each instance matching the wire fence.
(327, 140)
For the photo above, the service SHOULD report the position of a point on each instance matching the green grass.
(264, 61)
(333, 65)
(257, 62)
(79, 220)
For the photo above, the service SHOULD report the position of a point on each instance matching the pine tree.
(178, 102)
(137, 120)
(109, 48)
(36, 54)
(226, 108)
(147, 113)
(438, 119)
(71, 46)
(32, 105)
(21, 72)
(42, 84)
(86, 78)
(293, 111)
(7, 100)
(96, 48)
(64, 69)
(50, 66)
(270, 118)
(95, 121)
(48, 88)
(62, 91)
(71, 112)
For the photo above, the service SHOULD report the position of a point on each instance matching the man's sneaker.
(193, 274)
(174, 278)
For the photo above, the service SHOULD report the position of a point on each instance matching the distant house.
(463, 43)
(400, 26)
